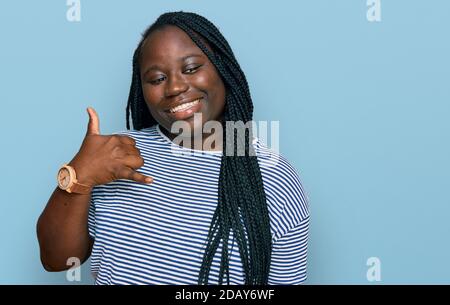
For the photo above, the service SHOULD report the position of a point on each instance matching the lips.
(185, 109)
(184, 106)
(181, 102)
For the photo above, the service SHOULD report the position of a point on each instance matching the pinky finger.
(128, 173)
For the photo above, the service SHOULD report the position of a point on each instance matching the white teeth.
(184, 106)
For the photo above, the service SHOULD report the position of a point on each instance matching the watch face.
(63, 178)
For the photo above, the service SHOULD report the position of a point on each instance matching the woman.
(149, 215)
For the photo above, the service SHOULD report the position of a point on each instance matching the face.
(179, 80)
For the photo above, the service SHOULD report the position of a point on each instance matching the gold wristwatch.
(67, 181)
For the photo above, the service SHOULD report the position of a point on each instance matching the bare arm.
(62, 228)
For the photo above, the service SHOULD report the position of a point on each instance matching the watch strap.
(79, 188)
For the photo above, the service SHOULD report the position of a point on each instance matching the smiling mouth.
(184, 107)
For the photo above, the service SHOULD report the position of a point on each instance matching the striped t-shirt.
(156, 233)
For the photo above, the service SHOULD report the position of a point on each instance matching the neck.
(203, 141)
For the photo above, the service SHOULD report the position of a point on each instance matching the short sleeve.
(289, 256)
(91, 218)
(289, 209)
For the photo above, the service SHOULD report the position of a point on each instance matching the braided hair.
(242, 209)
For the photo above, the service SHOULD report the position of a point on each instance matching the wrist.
(67, 181)
(81, 174)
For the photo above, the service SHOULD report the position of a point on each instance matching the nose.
(175, 85)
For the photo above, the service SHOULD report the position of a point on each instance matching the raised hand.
(105, 158)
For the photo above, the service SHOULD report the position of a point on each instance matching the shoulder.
(139, 135)
(288, 200)
(146, 138)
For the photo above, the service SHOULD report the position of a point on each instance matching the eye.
(157, 81)
(192, 69)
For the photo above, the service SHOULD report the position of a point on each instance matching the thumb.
(94, 123)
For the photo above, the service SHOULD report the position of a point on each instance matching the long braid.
(242, 210)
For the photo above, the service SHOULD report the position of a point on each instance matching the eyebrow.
(156, 67)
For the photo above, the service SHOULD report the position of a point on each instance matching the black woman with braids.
(151, 207)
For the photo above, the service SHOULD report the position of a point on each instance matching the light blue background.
(363, 110)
